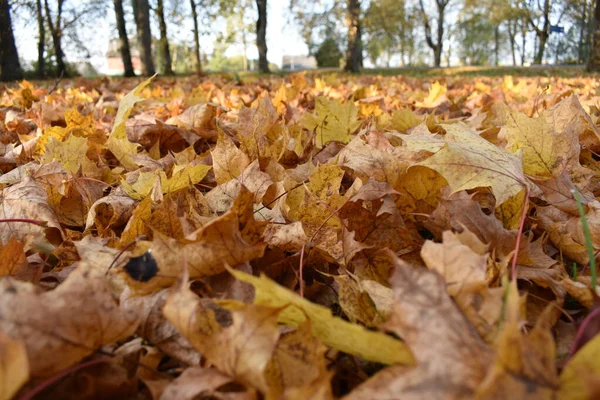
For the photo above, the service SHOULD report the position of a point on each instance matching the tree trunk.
(10, 68)
(41, 66)
(542, 33)
(594, 61)
(56, 33)
(523, 43)
(141, 12)
(440, 34)
(539, 56)
(511, 37)
(437, 47)
(581, 45)
(196, 38)
(437, 55)
(354, 51)
(261, 36)
(123, 39)
(496, 45)
(163, 43)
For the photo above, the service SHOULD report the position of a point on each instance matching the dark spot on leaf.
(426, 234)
(142, 268)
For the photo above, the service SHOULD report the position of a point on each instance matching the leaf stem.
(43, 224)
(50, 381)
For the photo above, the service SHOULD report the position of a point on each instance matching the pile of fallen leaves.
(312, 237)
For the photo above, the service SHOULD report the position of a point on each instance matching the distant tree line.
(337, 32)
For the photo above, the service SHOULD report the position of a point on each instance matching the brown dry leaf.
(298, 369)
(260, 133)
(238, 343)
(228, 160)
(568, 116)
(25, 200)
(566, 231)
(288, 237)
(461, 212)
(221, 198)
(199, 116)
(12, 258)
(232, 239)
(57, 327)
(200, 383)
(356, 302)
(371, 156)
(524, 364)
(420, 190)
(449, 366)
(462, 268)
(315, 203)
(110, 212)
(14, 366)
(156, 329)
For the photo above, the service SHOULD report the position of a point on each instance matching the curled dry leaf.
(468, 161)
(156, 329)
(197, 382)
(333, 331)
(231, 239)
(57, 328)
(449, 366)
(525, 363)
(298, 369)
(238, 343)
(25, 200)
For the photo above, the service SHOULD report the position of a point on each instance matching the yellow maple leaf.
(544, 150)
(142, 186)
(71, 154)
(468, 161)
(314, 202)
(436, 96)
(118, 143)
(333, 331)
(183, 177)
(77, 124)
(333, 121)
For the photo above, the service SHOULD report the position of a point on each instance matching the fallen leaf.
(14, 370)
(239, 343)
(333, 121)
(56, 327)
(198, 382)
(333, 331)
(468, 161)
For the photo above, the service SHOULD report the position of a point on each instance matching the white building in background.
(295, 63)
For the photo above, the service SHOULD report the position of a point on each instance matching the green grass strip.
(588, 238)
